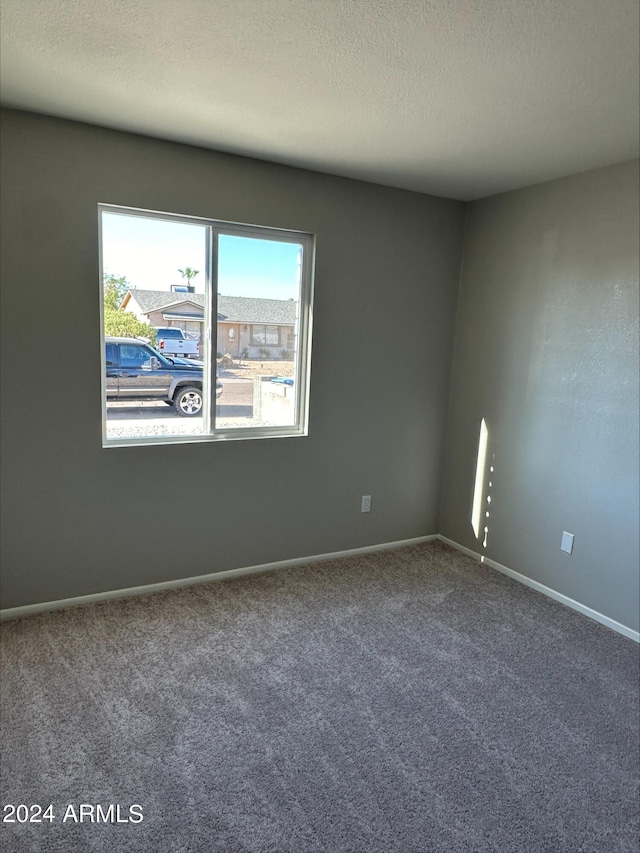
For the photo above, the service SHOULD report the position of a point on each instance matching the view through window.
(206, 328)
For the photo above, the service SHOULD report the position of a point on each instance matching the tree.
(115, 289)
(188, 273)
(118, 322)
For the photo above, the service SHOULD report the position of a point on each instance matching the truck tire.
(188, 401)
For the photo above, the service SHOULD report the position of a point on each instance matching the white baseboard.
(110, 595)
(546, 590)
(30, 609)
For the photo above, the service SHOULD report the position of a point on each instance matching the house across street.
(247, 327)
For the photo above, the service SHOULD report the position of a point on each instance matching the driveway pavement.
(236, 401)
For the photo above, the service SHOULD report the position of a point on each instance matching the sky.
(149, 253)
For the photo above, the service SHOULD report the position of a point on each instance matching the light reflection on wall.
(487, 513)
(478, 490)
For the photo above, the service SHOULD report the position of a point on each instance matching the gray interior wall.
(547, 352)
(80, 519)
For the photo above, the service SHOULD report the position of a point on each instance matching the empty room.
(320, 430)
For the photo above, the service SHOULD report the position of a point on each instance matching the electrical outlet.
(365, 503)
(567, 542)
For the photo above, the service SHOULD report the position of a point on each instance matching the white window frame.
(214, 229)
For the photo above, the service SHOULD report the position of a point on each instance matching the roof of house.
(154, 300)
(242, 309)
(234, 309)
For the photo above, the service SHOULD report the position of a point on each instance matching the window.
(135, 356)
(265, 336)
(240, 368)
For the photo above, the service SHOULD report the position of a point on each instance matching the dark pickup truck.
(136, 371)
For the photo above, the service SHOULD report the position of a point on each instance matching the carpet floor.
(404, 701)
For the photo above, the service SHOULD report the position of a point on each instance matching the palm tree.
(188, 273)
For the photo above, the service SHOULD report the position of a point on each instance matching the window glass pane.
(259, 291)
(154, 272)
(258, 335)
(134, 356)
(273, 336)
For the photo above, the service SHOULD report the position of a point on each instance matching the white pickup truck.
(171, 341)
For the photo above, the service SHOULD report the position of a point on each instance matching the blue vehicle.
(136, 371)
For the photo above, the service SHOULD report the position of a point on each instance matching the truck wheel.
(188, 401)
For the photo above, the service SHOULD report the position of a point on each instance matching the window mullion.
(211, 321)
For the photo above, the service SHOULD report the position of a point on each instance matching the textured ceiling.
(460, 98)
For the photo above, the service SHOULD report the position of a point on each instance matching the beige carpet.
(404, 701)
